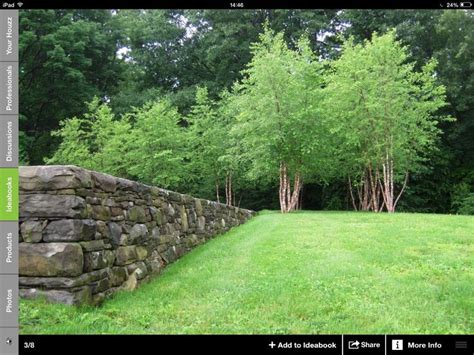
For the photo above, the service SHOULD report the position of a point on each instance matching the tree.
(156, 147)
(278, 114)
(206, 138)
(384, 117)
(146, 144)
(175, 51)
(443, 36)
(66, 58)
(95, 140)
(212, 150)
(455, 53)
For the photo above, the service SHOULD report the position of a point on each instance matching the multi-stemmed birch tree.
(383, 114)
(279, 117)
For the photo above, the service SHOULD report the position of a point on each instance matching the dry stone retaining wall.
(85, 235)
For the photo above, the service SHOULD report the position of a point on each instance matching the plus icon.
(272, 344)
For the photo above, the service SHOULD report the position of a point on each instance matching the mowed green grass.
(308, 272)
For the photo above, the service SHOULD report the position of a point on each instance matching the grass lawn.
(308, 272)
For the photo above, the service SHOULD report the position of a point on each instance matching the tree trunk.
(294, 197)
(374, 200)
(228, 189)
(217, 191)
(365, 192)
(289, 200)
(352, 195)
(282, 190)
(401, 191)
(387, 168)
(359, 195)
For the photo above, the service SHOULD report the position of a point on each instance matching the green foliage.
(206, 143)
(156, 41)
(156, 146)
(222, 46)
(147, 144)
(380, 108)
(95, 141)
(73, 148)
(441, 35)
(277, 105)
(462, 199)
(66, 58)
(128, 58)
(454, 52)
(338, 273)
(213, 153)
(466, 205)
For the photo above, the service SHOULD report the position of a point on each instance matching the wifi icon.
(20, 4)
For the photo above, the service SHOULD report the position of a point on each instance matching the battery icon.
(466, 4)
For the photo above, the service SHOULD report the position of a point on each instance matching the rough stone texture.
(118, 276)
(50, 259)
(93, 245)
(98, 259)
(70, 230)
(126, 255)
(51, 206)
(45, 178)
(86, 235)
(71, 297)
(32, 231)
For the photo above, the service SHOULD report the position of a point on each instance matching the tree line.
(368, 116)
(334, 104)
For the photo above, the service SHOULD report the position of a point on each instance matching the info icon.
(397, 344)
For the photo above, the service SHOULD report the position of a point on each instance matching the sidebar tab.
(9, 189)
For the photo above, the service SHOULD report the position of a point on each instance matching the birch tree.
(384, 115)
(279, 118)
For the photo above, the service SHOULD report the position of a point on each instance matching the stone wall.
(85, 235)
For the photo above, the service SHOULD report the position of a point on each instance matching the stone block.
(100, 286)
(101, 212)
(63, 282)
(139, 269)
(142, 252)
(50, 259)
(192, 240)
(51, 206)
(155, 266)
(70, 230)
(201, 223)
(104, 182)
(116, 211)
(98, 260)
(115, 233)
(44, 178)
(170, 255)
(198, 207)
(174, 196)
(138, 233)
(32, 231)
(155, 233)
(126, 255)
(92, 245)
(93, 200)
(137, 214)
(192, 218)
(118, 275)
(102, 229)
(82, 295)
(184, 219)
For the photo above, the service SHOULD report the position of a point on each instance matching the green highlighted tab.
(9, 194)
